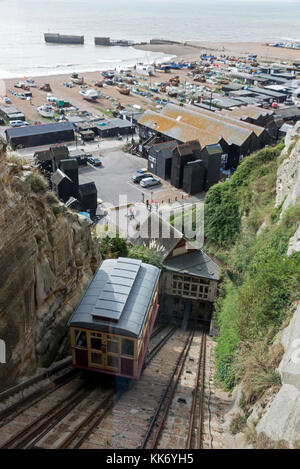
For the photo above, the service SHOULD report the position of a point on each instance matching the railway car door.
(97, 350)
(113, 353)
(81, 353)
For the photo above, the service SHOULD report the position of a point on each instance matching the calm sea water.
(23, 23)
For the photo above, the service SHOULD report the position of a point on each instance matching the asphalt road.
(113, 179)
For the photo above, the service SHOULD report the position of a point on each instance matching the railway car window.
(96, 343)
(127, 347)
(112, 361)
(96, 358)
(112, 346)
(80, 339)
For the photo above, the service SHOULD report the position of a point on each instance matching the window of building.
(80, 339)
(96, 358)
(127, 347)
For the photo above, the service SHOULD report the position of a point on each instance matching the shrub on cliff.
(222, 215)
(113, 247)
(146, 255)
(37, 182)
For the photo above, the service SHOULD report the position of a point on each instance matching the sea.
(23, 23)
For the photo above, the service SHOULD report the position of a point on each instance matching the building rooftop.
(253, 112)
(177, 130)
(231, 131)
(118, 298)
(226, 116)
(39, 129)
(196, 263)
(158, 235)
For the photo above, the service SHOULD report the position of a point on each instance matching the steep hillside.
(251, 224)
(47, 257)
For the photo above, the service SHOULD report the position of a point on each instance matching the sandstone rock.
(46, 262)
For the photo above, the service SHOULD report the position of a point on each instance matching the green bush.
(261, 283)
(146, 255)
(222, 217)
(113, 247)
(238, 424)
(37, 182)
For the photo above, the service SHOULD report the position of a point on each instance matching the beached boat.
(76, 79)
(89, 95)
(46, 111)
(63, 39)
(123, 90)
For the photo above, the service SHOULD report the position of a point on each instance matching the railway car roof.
(118, 298)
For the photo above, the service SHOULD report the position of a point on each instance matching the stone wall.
(47, 258)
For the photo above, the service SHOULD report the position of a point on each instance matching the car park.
(137, 178)
(150, 181)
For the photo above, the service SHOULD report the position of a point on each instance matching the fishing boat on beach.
(123, 90)
(46, 111)
(89, 95)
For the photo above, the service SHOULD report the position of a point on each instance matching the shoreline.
(186, 51)
(65, 69)
(113, 98)
(193, 49)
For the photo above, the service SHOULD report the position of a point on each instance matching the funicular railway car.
(111, 327)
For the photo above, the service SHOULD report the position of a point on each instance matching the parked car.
(22, 85)
(18, 123)
(150, 181)
(142, 170)
(94, 161)
(139, 177)
(30, 82)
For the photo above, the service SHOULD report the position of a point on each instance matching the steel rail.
(107, 404)
(157, 347)
(158, 409)
(8, 414)
(57, 413)
(195, 434)
(31, 430)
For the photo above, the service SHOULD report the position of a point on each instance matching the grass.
(260, 282)
(37, 182)
(238, 424)
(106, 112)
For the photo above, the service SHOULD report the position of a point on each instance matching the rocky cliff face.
(288, 176)
(47, 258)
(276, 417)
(281, 418)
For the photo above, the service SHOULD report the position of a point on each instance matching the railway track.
(153, 434)
(124, 425)
(195, 434)
(43, 428)
(12, 411)
(156, 427)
